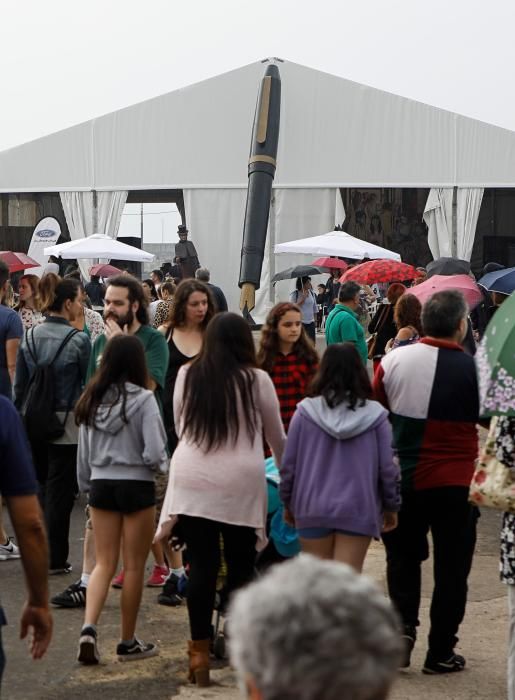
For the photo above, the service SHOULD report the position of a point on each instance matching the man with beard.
(125, 311)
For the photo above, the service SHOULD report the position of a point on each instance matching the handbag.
(372, 340)
(493, 483)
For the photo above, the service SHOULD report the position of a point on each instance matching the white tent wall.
(215, 221)
(334, 132)
(299, 213)
(110, 209)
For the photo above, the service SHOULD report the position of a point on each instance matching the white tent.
(337, 243)
(334, 133)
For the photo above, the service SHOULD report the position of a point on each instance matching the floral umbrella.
(17, 261)
(495, 360)
(375, 271)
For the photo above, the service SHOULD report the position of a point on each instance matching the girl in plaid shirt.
(288, 355)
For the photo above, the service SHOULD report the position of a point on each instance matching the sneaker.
(137, 650)
(88, 650)
(158, 576)
(66, 569)
(72, 597)
(182, 586)
(117, 582)
(454, 663)
(170, 594)
(408, 637)
(9, 550)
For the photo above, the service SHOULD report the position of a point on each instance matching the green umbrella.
(496, 363)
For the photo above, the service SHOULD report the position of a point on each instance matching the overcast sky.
(66, 61)
(63, 62)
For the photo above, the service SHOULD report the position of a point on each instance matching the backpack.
(38, 407)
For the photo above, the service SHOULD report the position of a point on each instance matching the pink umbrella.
(440, 283)
(17, 261)
(104, 270)
(331, 263)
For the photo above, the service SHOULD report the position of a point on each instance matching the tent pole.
(454, 239)
(95, 213)
(271, 244)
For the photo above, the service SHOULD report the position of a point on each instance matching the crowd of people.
(161, 406)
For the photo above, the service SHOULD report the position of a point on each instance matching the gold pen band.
(262, 159)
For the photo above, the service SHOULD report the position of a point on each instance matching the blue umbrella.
(502, 281)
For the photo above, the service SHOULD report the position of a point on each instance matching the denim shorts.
(122, 496)
(316, 533)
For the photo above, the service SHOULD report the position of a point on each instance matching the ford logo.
(45, 233)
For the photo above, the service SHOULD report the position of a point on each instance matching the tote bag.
(493, 483)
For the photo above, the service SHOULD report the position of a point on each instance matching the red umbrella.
(104, 270)
(17, 261)
(440, 283)
(332, 263)
(375, 271)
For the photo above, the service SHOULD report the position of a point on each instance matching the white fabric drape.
(78, 211)
(215, 220)
(83, 221)
(438, 217)
(469, 204)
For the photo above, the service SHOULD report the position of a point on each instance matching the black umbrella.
(298, 271)
(448, 266)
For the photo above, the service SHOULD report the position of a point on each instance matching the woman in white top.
(29, 306)
(222, 406)
(306, 300)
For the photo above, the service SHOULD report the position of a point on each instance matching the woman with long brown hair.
(406, 317)
(29, 304)
(184, 331)
(122, 445)
(287, 354)
(223, 404)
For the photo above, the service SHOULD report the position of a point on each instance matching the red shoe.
(158, 576)
(117, 582)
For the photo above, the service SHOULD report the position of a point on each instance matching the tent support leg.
(454, 239)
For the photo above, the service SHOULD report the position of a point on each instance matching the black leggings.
(202, 539)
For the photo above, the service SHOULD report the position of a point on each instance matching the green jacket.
(342, 326)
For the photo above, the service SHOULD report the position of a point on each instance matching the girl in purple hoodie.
(339, 480)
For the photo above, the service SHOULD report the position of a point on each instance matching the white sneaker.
(9, 550)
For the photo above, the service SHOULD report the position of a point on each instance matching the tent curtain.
(83, 220)
(215, 219)
(438, 217)
(78, 211)
(469, 204)
(110, 209)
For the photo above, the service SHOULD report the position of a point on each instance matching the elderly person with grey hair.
(313, 629)
(204, 275)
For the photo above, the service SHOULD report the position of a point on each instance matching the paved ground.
(59, 677)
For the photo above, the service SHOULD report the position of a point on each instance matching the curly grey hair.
(314, 630)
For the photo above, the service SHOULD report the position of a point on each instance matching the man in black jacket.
(203, 275)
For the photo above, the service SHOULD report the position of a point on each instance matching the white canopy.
(334, 132)
(337, 243)
(98, 246)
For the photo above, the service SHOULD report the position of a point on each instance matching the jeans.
(2, 659)
(59, 495)
(310, 329)
(202, 538)
(452, 521)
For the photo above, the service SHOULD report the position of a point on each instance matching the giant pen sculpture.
(262, 164)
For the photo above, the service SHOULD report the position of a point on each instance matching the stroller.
(283, 543)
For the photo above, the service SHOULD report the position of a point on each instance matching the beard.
(125, 320)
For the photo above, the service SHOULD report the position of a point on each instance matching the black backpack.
(38, 407)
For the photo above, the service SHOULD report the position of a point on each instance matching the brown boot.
(198, 651)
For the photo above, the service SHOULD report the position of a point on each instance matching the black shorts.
(122, 496)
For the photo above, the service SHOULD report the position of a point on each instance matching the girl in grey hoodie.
(122, 443)
(339, 480)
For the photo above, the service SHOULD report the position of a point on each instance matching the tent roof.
(334, 132)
